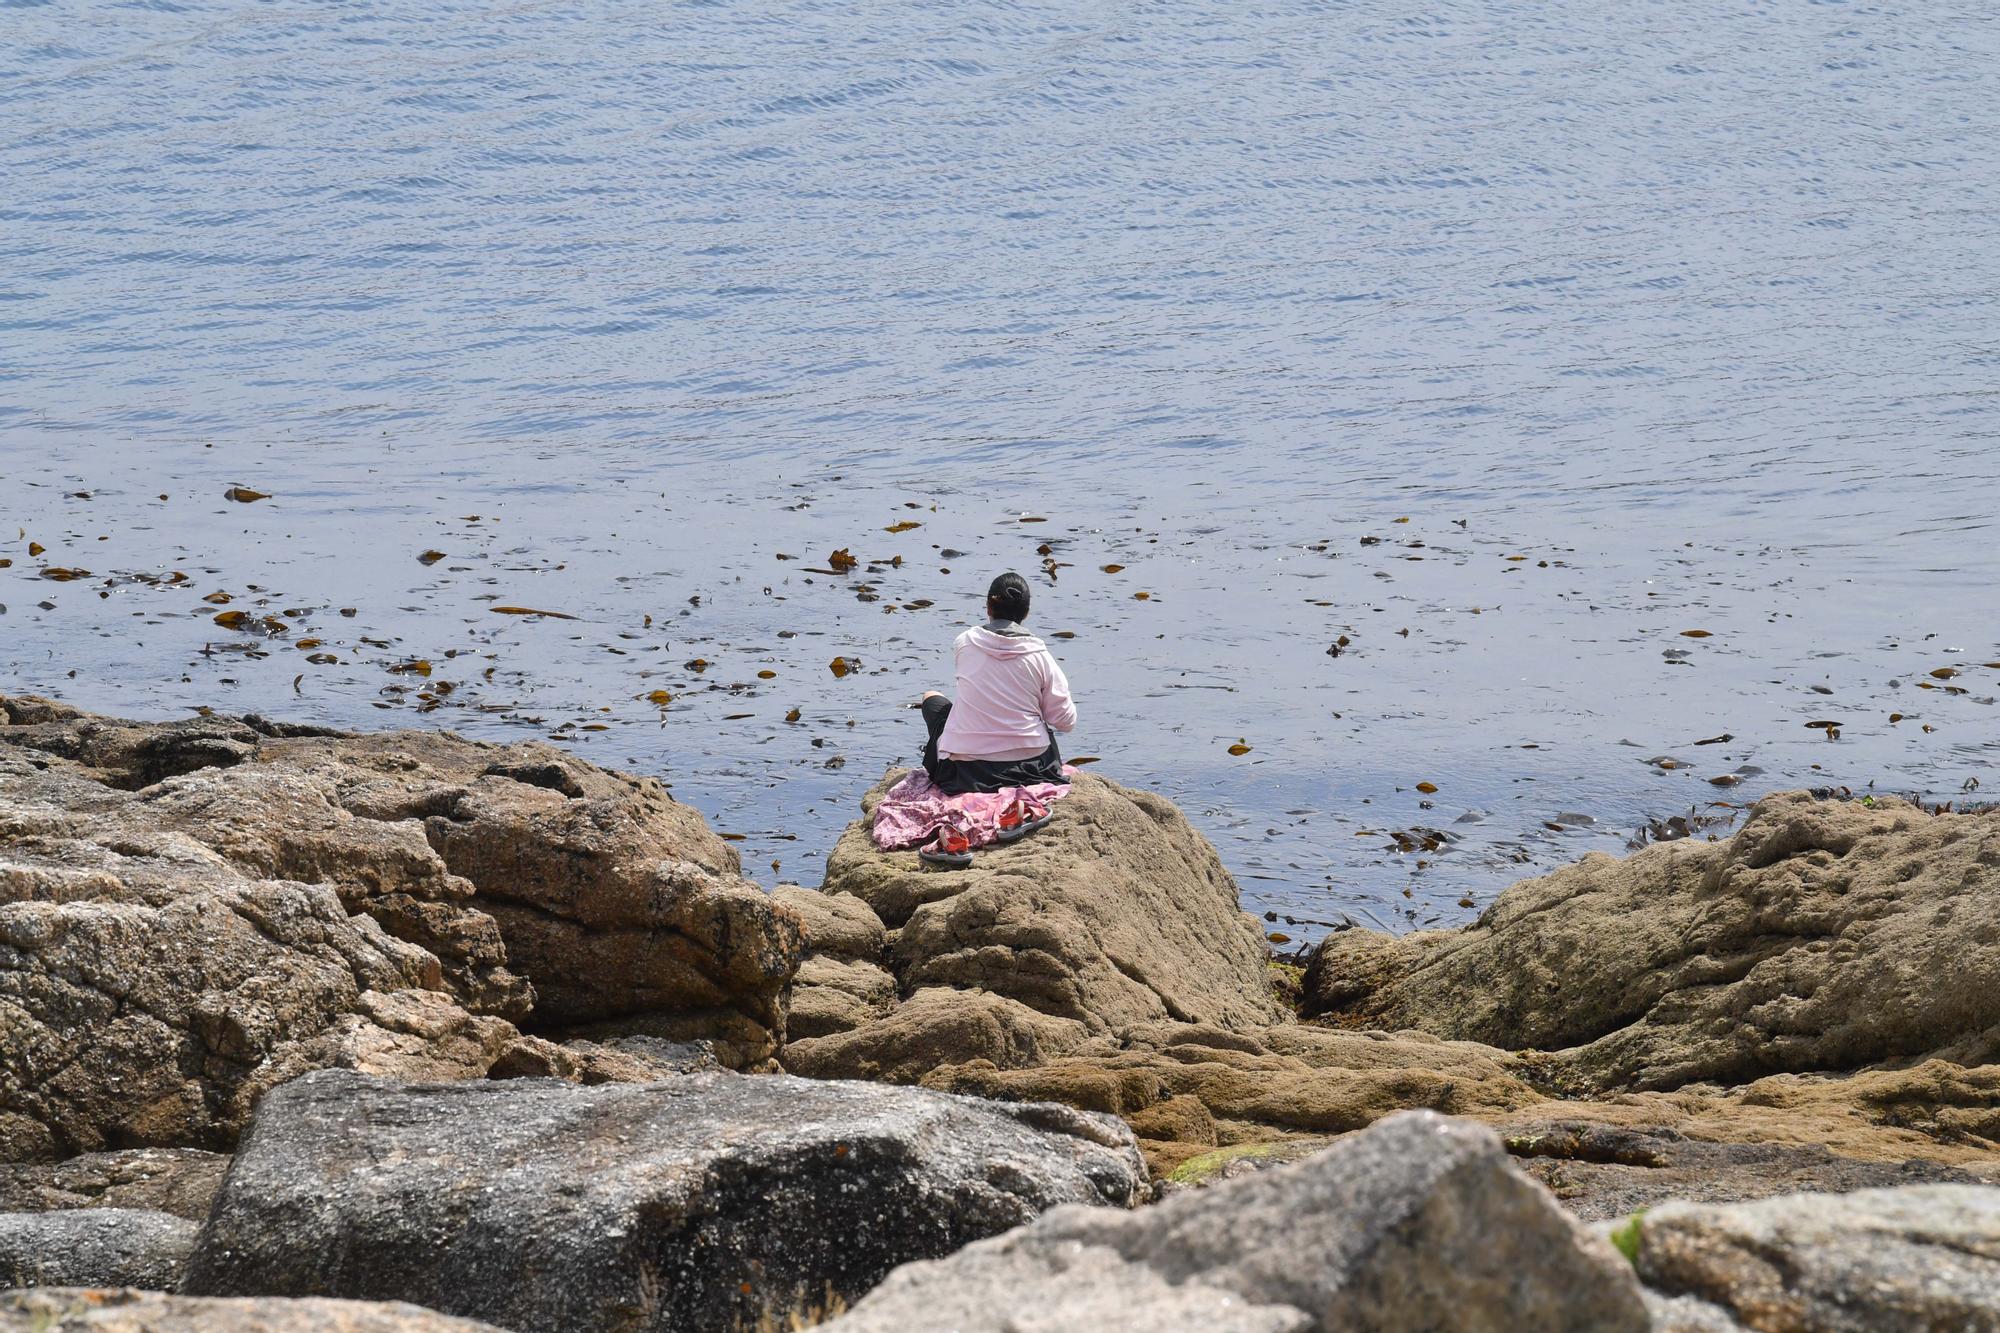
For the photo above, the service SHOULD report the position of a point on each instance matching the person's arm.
(1058, 709)
(957, 657)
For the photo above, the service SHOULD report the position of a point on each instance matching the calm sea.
(1599, 380)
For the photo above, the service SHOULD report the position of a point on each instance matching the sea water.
(1562, 405)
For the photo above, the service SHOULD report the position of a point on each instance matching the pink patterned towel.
(914, 809)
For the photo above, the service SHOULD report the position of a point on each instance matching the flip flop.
(1020, 819)
(949, 850)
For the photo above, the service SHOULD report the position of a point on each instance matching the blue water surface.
(1509, 342)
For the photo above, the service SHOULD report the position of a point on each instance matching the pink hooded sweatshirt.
(1010, 692)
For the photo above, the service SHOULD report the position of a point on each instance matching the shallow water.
(1693, 307)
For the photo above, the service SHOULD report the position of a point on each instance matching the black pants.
(956, 777)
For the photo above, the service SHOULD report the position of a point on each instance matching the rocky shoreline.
(309, 1029)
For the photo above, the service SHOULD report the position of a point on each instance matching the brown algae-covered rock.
(193, 911)
(1117, 912)
(1822, 936)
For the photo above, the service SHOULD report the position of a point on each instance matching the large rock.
(94, 1247)
(1200, 1094)
(1210, 1099)
(1920, 1258)
(1102, 962)
(213, 788)
(1118, 912)
(181, 1181)
(1822, 936)
(1115, 919)
(58, 1310)
(614, 900)
(192, 911)
(1419, 1223)
(697, 1203)
(149, 990)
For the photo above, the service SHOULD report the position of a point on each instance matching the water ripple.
(1695, 304)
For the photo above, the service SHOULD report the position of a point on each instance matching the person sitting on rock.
(1012, 699)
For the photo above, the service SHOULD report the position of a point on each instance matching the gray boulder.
(1416, 1223)
(1924, 1257)
(70, 1310)
(94, 1247)
(708, 1201)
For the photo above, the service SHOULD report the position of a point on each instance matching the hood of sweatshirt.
(993, 643)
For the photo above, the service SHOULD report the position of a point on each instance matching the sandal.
(1020, 819)
(950, 849)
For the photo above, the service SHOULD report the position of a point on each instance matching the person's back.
(1012, 697)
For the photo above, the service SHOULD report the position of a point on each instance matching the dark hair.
(1007, 598)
